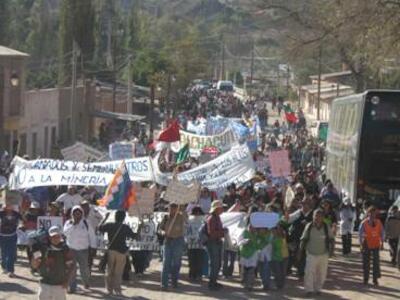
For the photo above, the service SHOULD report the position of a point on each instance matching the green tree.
(76, 24)
(4, 22)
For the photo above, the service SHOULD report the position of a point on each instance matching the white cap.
(35, 204)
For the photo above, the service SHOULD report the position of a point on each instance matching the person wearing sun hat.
(216, 233)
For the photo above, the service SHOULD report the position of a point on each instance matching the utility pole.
(129, 97)
(222, 74)
(167, 97)
(319, 81)
(287, 81)
(151, 115)
(73, 92)
(252, 70)
(114, 89)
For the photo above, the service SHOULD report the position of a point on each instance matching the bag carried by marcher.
(203, 234)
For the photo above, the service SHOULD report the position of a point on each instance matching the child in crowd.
(249, 255)
(280, 254)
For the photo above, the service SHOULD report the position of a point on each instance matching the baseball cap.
(54, 230)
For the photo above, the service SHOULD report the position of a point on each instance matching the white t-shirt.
(69, 201)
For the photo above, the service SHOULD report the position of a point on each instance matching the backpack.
(328, 242)
(203, 234)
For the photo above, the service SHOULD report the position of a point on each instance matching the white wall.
(41, 111)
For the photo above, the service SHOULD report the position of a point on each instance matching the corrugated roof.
(4, 51)
(330, 75)
(117, 116)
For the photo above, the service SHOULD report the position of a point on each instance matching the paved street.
(344, 282)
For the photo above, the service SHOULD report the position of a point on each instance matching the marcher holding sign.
(280, 163)
(172, 227)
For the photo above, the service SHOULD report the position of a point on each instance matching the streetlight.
(14, 80)
(98, 86)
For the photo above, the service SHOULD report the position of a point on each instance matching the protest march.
(231, 191)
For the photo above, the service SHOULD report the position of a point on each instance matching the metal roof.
(330, 75)
(4, 51)
(117, 116)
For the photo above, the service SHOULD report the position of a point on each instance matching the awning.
(117, 116)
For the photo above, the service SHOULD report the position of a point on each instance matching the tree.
(4, 22)
(361, 33)
(76, 24)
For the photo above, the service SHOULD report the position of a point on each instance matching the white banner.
(223, 141)
(235, 166)
(236, 224)
(46, 172)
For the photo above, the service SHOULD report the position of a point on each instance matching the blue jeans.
(214, 249)
(172, 256)
(229, 262)
(265, 273)
(8, 246)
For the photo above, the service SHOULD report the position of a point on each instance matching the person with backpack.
(80, 239)
(372, 235)
(316, 240)
(55, 265)
(117, 250)
(216, 233)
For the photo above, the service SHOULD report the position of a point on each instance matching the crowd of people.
(300, 244)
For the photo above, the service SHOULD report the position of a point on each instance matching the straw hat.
(216, 204)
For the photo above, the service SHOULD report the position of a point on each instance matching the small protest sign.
(179, 193)
(280, 163)
(145, 198)
(46, 222)
(264, 219)
(121, 150)
(8, 197)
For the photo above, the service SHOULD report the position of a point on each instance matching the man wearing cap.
(214, 244)
(80, 239)
(173, 229)
(69, 199)
(55, 266)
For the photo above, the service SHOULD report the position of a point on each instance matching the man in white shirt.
(80, 238)
(69, 199)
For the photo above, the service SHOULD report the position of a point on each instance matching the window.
(53, 135)
(46, 141)
(22, 144)
(69, 129)
(34, 145)
(15, 101)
